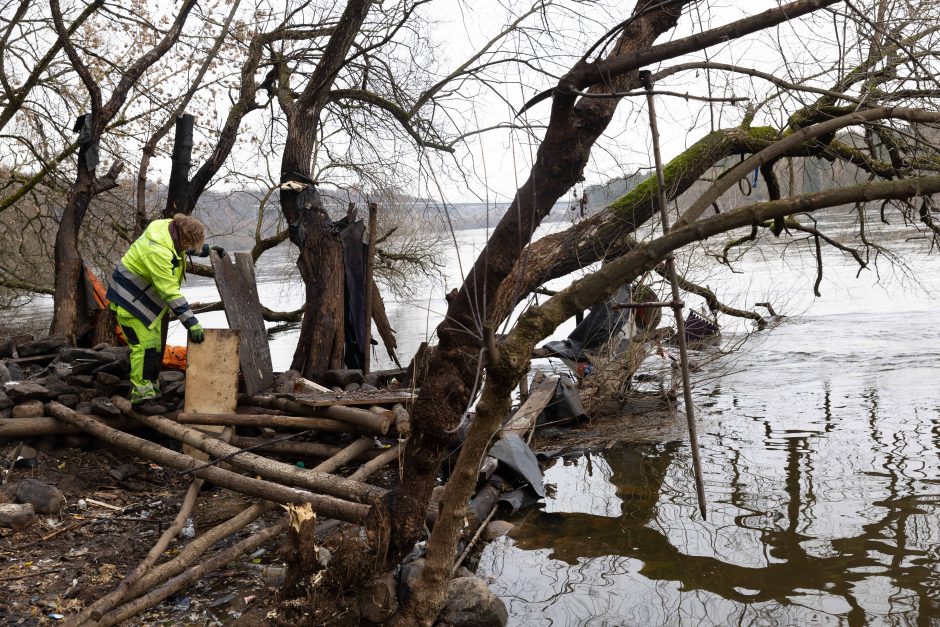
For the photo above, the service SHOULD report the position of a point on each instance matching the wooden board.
(541, 394)
(212, 378)
(236, 283)
(380, 397)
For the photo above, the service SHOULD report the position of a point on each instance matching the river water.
(820, 442)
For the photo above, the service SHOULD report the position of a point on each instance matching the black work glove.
(206, 249)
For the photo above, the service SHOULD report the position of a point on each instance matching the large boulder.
(7, 347)
(470, 603)
(16, 516)
(45, 499)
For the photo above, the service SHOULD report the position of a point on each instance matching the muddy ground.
(65, 561)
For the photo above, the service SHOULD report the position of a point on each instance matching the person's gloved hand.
(206, 249)
(196, 333)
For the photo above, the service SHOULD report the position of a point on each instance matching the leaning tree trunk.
(562, 156)
(69, 289)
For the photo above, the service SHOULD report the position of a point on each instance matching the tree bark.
(565, 150)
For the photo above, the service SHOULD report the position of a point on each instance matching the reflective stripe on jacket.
(147, 280)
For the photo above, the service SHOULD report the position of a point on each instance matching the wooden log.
(370, 290)
(361, 418)
(47, 425)
(269, 469)
(303, 449)
(479, 508)
(174, 585)
(192, 551)
(239, 292)
(372, 466)
(327, 505)
(267, 420)
(306, 386)
(345, 456)
(402, 422)
(360, 398)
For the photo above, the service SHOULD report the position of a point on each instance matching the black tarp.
(601, 323)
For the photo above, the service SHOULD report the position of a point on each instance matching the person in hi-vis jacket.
(144, 286)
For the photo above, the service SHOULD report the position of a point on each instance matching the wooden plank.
(381, 397)
(211, 379)
(239, 292)
(541, 394)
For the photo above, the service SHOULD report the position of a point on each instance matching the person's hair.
(191, 231)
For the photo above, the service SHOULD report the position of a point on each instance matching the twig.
(16, 457)
(49, 536)
(473, 540)
(35, 574)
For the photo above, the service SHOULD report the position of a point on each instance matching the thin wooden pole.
(370, 296)
(647, 80)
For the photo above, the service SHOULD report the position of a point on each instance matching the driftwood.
(345, 456)
(326, 425)
(326, 505)
(303, 449)
(195, 549)
(184, 579)
(370, 467)
(541, 394)
(270, 469)
(45, 425)
(402, 421)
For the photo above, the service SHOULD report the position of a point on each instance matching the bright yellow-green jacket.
(147, 280)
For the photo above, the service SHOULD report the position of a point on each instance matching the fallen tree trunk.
(369, 468)
(270, 469)
(328, 506)
(45, 425)
(326, 425)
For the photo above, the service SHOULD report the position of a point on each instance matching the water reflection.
(824, 501)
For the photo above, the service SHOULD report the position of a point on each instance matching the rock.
(29, 409)
(87, 394)
(410, 573)
(57, 387)
(26, 458)
(352, 387)
(470, 603)
(171, 376)
(7, 347)
(81, 380)
(83, 407)
(107, 379)
(118, 367)
(102, 406)
(45, 444)
(124, 471)
(5, 401)
(84, 354)
(4, 373)
(343, 377)
(16, 373)
(45, 346)
(69, 400)
(116, 352)
(15, 516)
(378, 601)
(22, 392)
(366, 387)
(496, 529)
(371, 379)
(46, 499)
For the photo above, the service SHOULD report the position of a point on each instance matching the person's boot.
(150, 408)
